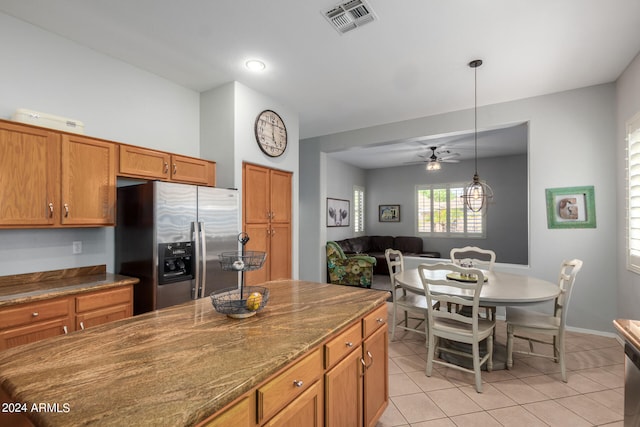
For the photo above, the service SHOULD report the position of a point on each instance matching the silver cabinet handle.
(349, 344)
(65, 330)
(35, 314)
(268, 214)
(364, 367)
(50, 210)
(273, 232)
(175, 169)
(370, 357)
(297, 383)
(66, 210)
(82, 325)
(166, 167)
(380, 320)
(273, 215)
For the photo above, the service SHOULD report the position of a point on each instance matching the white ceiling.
(411, 62)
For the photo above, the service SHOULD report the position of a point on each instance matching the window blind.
(358, 209)
(633, 194)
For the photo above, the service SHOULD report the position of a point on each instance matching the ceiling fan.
(438, 155)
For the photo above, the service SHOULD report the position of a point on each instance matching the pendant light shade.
(476, 194)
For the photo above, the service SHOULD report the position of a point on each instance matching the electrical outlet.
(77, 248)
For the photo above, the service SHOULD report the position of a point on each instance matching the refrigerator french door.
(170, 236)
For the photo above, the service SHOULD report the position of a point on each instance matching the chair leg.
(563, 368)
(490, 352)
(509, 346)
(431, 349)
(475, 350)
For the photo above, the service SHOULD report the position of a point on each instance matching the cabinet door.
(343, 392)
(258, 241)
(239, 415)
(279, 256)
(256, 194)
(305, 410)
(189, 170)
(143, 163)
(376, 378)
(280, 196)
(88, 181)
(29, 176)
(32, 333)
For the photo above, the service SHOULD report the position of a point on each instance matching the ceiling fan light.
(433, 166)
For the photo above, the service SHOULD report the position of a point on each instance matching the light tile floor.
(530, 394)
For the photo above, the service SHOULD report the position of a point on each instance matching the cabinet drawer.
(342, 345)
(374, 320)
(27, 334)
(288, 385)
(105, 315)
(101, 299)
(26, 314)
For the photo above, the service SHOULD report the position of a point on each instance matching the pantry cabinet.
(266, 207)
(138, 162)
(53, 179)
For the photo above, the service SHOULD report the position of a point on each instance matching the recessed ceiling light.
(255, 65)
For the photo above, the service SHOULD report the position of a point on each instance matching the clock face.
(271, 133)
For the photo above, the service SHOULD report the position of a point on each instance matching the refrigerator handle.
(203, 252)
(195, 233)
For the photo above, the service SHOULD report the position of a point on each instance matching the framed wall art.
(571, 207)
(389, 213)
(338, 213)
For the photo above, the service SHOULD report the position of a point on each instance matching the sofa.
(374, 246)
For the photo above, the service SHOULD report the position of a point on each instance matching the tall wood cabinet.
(53, 179)
(266, 207)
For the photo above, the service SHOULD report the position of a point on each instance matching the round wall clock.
(271, 133)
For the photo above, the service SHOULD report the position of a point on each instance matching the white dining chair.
(453, 325)
(475, 257)
(527, 321)
(409, 303)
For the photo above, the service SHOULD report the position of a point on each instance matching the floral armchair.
(352, 270)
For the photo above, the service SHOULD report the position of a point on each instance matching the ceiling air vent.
(349, 15)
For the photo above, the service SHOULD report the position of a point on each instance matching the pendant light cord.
(475, 114)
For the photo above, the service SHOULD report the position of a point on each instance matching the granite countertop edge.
(630, 330)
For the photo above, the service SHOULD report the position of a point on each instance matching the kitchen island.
(181, 365)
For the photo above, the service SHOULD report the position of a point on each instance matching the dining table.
(499, 289)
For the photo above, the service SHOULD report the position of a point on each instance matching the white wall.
(228, 115)
(568, 136)
(116, 101)
(507, 219)
(340, 181)
(628, 104)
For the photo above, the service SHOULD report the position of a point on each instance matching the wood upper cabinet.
(53, 179)
(88, 181)
(138, 162)
(29, 176)
(266, 205)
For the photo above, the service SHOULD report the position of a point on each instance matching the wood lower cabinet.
(343, 382)
(138, 162)
(266, 208)
(357, 389)
(25, 323)
(100, 307)
(30, 322)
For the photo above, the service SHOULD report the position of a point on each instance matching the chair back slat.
(436, 292)
(566, 280)
(478, 257)
(395, 262)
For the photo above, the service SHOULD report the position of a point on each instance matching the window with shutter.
(633, 194)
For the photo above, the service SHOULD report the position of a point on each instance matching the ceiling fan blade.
(449, 161)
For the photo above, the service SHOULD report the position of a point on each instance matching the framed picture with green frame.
(571, 207)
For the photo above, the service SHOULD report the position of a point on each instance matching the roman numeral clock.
(271, 133)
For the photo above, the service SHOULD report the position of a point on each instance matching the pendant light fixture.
(476, 194)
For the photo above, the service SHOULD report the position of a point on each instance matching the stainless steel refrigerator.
(170, 235)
